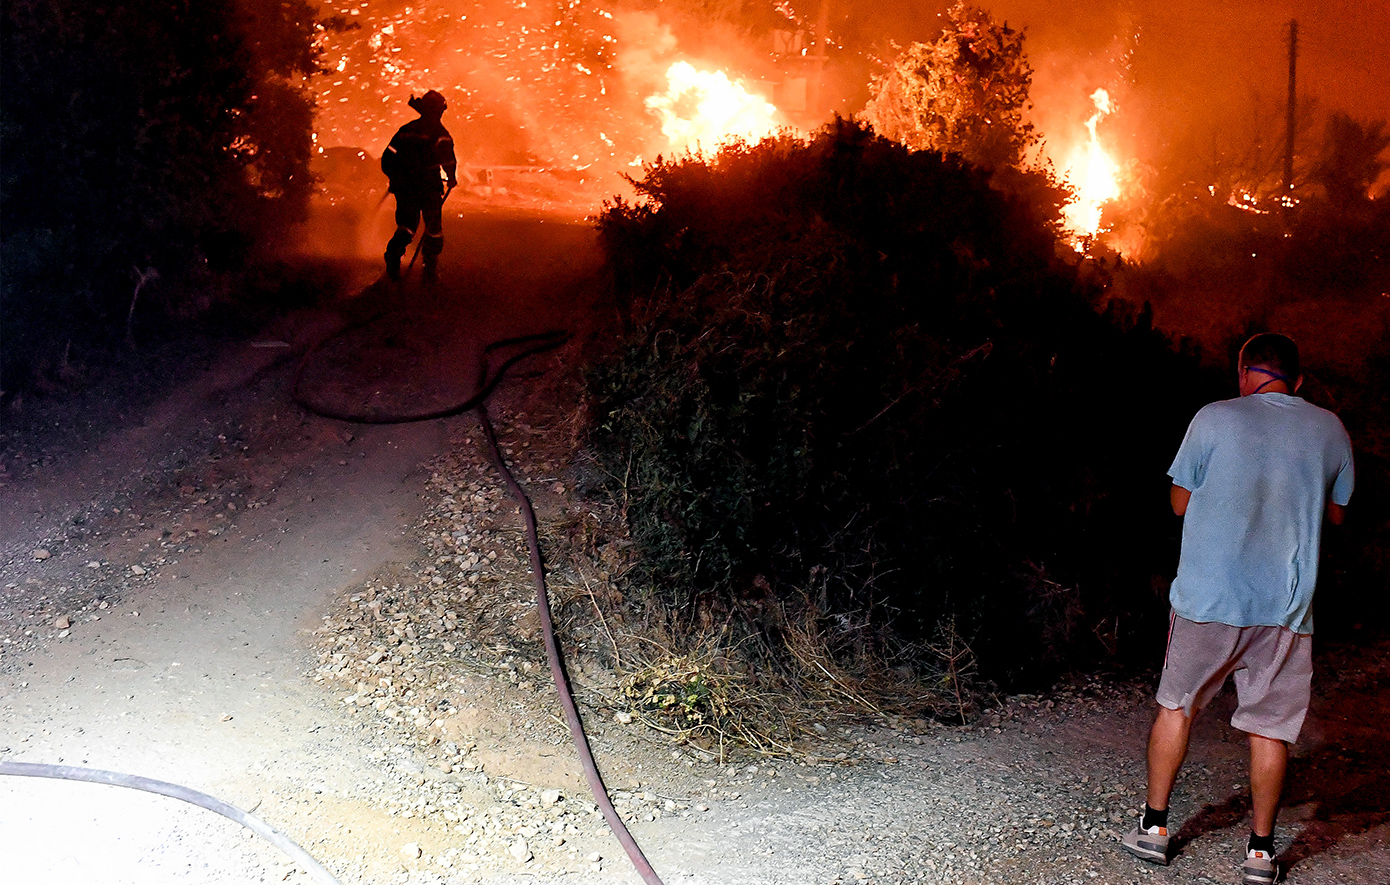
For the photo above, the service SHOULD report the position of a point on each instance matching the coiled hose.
(487, 382)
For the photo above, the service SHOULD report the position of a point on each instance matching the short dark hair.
(1278, 353)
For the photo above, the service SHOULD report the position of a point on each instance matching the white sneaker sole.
(1149, 851)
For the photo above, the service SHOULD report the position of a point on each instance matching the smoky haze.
(1189, 76)
(563, 83)
(556, 84)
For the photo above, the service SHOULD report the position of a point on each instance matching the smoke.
(527, 84)
(1194, 80)
(646, 47)
(562, 84)
(547, 101)
(549, 84)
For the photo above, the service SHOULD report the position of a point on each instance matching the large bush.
(860, 380)
(169, 135)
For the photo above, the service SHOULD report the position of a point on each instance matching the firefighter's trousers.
(410, 209)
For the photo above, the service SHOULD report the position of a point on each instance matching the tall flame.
(1093, 174)
(703, 109)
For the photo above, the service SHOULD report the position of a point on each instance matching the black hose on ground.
(175, 791)
(487, 382)
(557, 666)
(533, 344)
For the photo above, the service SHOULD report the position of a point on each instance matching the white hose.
(163, 788)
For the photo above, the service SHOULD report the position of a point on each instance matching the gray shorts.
(1272, 666)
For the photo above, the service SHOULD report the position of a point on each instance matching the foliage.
(683, 692)
(860, 375)
(966, 93)
(171, 135)
(1352, 160)
(1238, 157)
(696, 699)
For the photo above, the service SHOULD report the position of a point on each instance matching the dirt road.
(171, 592)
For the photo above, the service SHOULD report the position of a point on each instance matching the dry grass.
(695, 700)
(731, 698)
(708, 681)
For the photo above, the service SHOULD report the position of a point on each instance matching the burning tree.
(966, 93)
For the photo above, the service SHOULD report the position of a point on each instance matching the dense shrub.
(172, 136)
(861, 379)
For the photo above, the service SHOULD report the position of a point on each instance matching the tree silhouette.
(1353, 157)
(164, 134)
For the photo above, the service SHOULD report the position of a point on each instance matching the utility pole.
(1292, 107)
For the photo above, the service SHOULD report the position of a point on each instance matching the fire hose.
(557, 667)
(175, 791)
(487, 381)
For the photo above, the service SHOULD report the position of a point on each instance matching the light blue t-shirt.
(1261, 470)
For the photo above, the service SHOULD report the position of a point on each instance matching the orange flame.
(702, 109)
(1093, 174)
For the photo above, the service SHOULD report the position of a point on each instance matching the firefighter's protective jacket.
(420, 158)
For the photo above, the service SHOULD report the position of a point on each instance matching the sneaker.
(1260, 868)
(1148, 843)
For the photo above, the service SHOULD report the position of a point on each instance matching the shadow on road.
(1340, 786)
(413, 347)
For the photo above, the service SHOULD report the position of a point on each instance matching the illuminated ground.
(254, 525)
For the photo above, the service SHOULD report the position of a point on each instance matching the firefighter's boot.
(430, 249)
(395, 251)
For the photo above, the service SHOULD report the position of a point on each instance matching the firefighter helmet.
(431, 104)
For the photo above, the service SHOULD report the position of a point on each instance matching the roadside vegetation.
(865, 396)
(871, 416)
(869, 429)
(155, 155)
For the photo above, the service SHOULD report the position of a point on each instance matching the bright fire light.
(1093, 174)
(702, 109)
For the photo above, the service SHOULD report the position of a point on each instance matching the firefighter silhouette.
(420, 164)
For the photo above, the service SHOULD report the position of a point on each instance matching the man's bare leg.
(1167, 750)
(1269, 759)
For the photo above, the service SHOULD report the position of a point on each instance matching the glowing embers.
(1248, 202)
(1093, 175)
(701, 110)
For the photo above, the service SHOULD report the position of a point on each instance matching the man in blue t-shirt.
(1254, 479)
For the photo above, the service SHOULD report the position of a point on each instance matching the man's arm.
(1336, 513)
(1178, 497)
